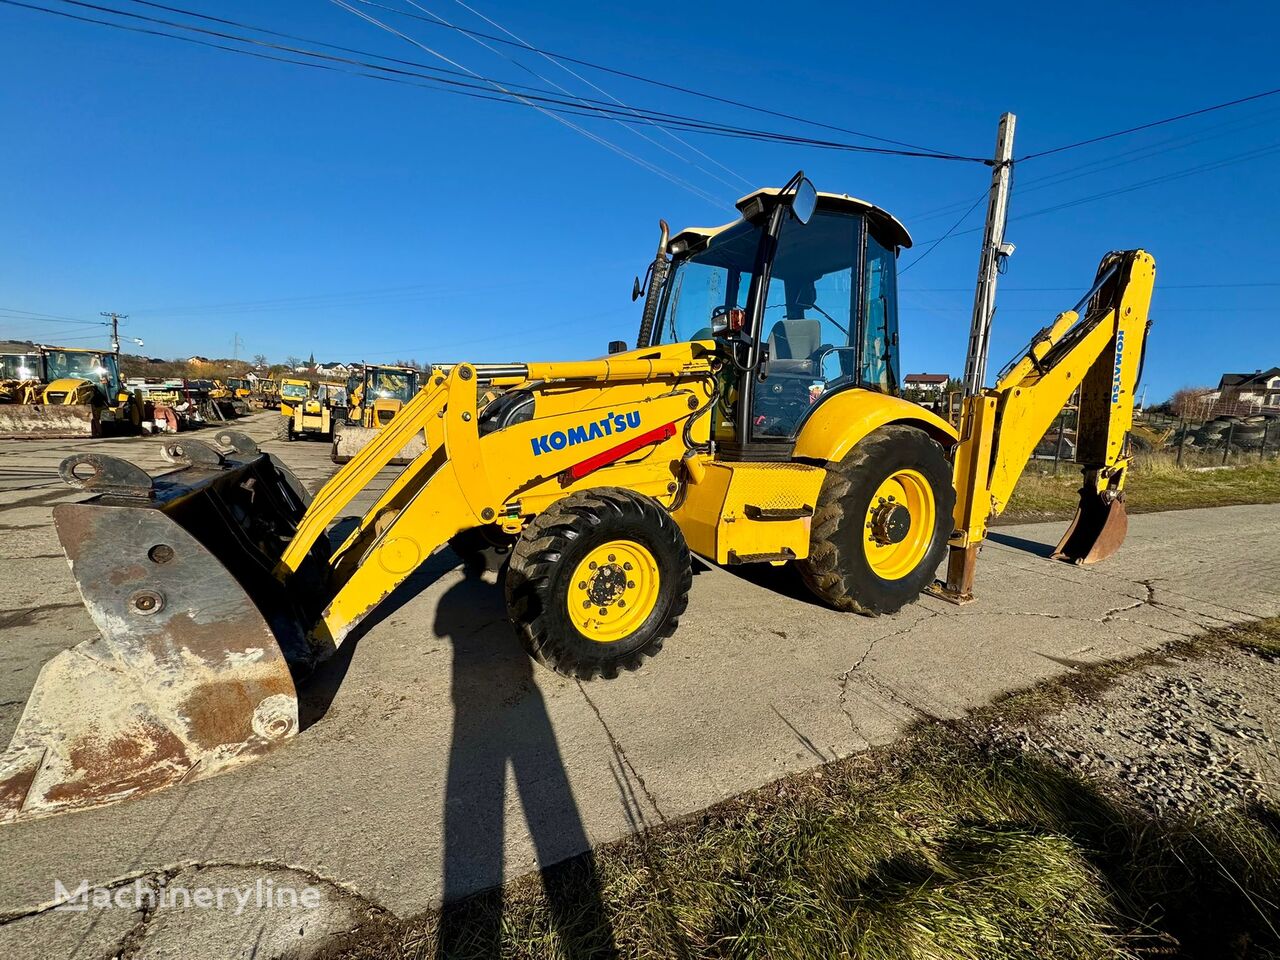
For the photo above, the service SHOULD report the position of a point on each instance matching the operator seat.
(794, 348)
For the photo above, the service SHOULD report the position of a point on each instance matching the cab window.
(878, 367)
(810, 321)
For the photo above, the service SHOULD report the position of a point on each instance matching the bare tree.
(1193, 403)
(260, 361)
(293, 363)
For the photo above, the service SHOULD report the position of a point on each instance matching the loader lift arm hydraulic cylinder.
(1097, 352)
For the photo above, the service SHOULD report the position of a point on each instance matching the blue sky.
(209, 195)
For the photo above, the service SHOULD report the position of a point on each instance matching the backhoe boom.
(1099, 353)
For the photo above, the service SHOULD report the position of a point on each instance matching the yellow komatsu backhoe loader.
(375, 394)
(78, 393)
(756, 421)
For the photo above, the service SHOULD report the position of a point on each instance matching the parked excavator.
(755, 421)
(375, 394)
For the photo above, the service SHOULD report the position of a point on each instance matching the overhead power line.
(579, 77)
(661, 83)
(1154, 123)
(963, 217)
(558, 117)
(1129, 188)
(443, 84)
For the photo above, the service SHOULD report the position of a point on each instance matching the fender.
(840, 422)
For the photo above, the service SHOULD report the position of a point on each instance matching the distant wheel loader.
(756, 421)
(314, 415)
(375, 394)
(72, 393)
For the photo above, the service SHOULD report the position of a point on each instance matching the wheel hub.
(606, 585)
(613, 591)
(890, 522)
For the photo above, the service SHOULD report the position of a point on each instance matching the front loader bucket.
(52, 421)
(348, 440)
(195, 670)
(1096, 531)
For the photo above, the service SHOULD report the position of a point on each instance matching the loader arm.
(1095, 348)
(463, 479)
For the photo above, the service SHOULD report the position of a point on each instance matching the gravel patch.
(1199, 734)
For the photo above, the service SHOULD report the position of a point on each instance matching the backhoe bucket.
(51, 421)
(348, 440)
(1096, 531)
(196, 667)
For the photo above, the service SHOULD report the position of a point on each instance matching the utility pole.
(115, 319)
(994, 251)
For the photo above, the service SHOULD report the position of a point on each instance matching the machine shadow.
(1035, 547)
(500, 722)
(317, 690)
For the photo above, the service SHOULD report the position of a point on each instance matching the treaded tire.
(283, 429)
(542, 565)
(837, 570)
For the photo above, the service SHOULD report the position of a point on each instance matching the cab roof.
(887, 227)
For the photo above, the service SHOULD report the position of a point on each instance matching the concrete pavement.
(443, 761)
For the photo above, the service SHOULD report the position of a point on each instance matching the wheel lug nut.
(626, 566)
(612, 558)
(582, 585)
(622, 603)
(603, 611)
(631, 584)
(591, 565)
(586, 604)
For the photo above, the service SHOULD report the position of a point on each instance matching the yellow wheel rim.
(613, 591)
(899, 524)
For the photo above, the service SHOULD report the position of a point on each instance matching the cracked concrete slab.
(443, 761)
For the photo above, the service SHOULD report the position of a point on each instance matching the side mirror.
(617, 346)
(637, 291)
(804, 201)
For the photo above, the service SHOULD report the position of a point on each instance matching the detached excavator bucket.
(1096, 531)
(52, 421)
(200, 648)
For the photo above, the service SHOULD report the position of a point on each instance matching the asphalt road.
(446, 761)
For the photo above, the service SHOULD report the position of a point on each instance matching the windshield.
(295, 391)
(19, 366)
(98, 368)
(712, 281)
(829, 318)
(390, 385)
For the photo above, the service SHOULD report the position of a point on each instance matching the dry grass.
(1156, 483)
(936, 849)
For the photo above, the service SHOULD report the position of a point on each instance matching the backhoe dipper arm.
(1098, 352)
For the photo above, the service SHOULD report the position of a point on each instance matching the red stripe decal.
(614, 454)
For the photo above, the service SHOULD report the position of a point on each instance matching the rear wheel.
(882, 523)
(597, 582)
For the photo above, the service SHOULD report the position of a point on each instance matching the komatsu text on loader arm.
(756, 421)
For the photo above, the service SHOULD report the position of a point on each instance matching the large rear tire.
(883, 520)
(597, 582)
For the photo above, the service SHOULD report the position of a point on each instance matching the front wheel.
(597, 582)
(883, 520)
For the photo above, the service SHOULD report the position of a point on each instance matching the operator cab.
(825, 317)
